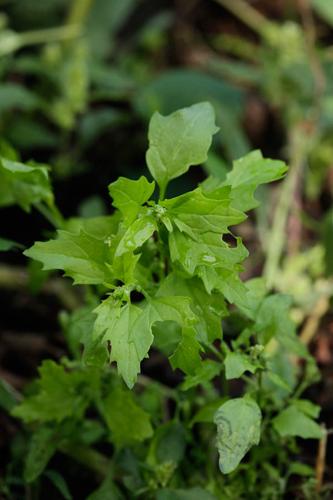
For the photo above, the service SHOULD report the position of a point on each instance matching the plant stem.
(247, 14)
(72, 29)
(51, 214)
(88, 457)
(321, 459)
(238, 47)
(77, 15)
(259, 379)
(48, 35)
(79, 12)
(162, 192)
(168, 392)
(215, 351)
(277, 236)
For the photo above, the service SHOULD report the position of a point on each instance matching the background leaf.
(42, 446)
(24, 184)
(324, 9)
(293, 422)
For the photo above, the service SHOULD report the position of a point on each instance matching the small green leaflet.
(24, 184)
(126, 420)
(294, 421)
(128, 195)
(238, 429)
(237, 363)
(129, 330)
(178, 141)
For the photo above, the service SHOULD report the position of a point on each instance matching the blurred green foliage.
(79, 80)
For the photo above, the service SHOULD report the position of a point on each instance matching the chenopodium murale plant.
(171, 260)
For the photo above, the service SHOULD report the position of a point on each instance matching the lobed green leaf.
(82, 256)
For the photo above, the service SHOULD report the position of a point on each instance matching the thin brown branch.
(321, 460)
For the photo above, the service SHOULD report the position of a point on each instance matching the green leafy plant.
(162, 279)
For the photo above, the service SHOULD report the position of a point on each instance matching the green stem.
(247, 14)
(92, 459)
(48, 35)
(72, 29)
(52, 214)
(215, 351)
(79, 12)
(168, 392)
(277, 236)
(259, 378)
(162, 191)
(238, 47)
